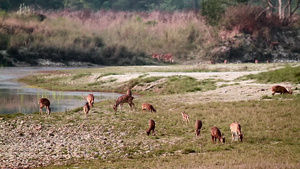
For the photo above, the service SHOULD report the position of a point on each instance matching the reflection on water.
(16, 97)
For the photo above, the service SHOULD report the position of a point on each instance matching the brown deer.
(198, 126)
(149, 107)
(44, 102)
(185, 117)
(236, 130)
(167, 57)
(156, 56)
(151, 127)
(216, 134)
(128, 92)
(124, 99)
(86, 108)
(90, 99)
(281, 90)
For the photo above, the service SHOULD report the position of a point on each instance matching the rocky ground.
(28, 141)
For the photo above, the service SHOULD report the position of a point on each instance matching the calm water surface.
(20, 98)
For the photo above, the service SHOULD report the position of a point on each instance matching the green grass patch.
(10, 116)
(184, 84)
(286, 74)
(107, 74)
(78, 76)
(140, 80)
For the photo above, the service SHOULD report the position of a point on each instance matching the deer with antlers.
(44, 102)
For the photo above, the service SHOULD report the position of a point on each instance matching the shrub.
(4, 41)
(247, 19)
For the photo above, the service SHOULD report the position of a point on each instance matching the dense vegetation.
(107, 37)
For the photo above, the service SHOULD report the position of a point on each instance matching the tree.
(283, 7)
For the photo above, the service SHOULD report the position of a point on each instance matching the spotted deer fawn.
(151, 127)
(216, 134)
(44, 102)
(198, 126)
(149, 107)
(236, 130)
(281, 90)
(185, 117)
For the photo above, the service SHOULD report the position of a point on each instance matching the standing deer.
(149, 107)
(216, 134)
(156, 56)
(185, 117)
(167, 57)
(43, 102)
(124, 99)
(236, 130)
(281, 90)
(90, 99)
(198, 126)
(86, 108)
(151, 127)
(128, 92)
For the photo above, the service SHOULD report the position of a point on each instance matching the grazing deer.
(43, 102)
(167, 57)
(86, 108)
(185, 117)
(156, 56)
(216, 134)
(198, 126)
(149, 107)
(281, 90)
(124, 99)
(90, 99)
(236, 130)
(151, 127)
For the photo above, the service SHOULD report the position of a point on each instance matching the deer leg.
(47, 110)
(41, 110)
(121, 105)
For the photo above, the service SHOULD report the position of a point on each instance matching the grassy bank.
(270, 129)
(108, 140)
(118, 79)
(287, 74)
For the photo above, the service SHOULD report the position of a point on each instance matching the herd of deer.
(128, 98)
(165, 57)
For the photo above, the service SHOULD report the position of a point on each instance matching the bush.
(4, 41)
(248, 19)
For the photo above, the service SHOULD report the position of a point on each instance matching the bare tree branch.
(262, 12)
(298, 5)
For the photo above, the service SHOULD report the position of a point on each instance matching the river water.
(16, 97)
